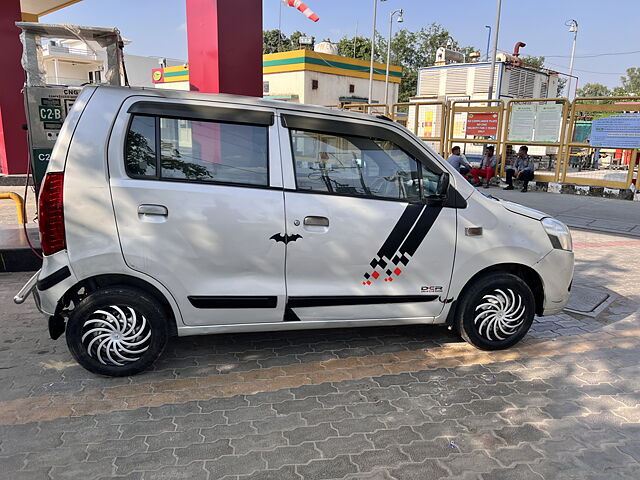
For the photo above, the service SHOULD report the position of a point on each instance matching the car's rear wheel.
(496, 311)
(117, 331)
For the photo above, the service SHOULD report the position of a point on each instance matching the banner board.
(521, 123)
(482, 124)
(617, 131)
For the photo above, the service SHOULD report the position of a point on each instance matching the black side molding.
(233, 302)
(330, 301)
(53, 279)
(203, 112)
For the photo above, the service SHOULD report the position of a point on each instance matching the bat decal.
(278, 237)
(402, 243)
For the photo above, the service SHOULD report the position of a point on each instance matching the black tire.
(480, 317)
(112, 340)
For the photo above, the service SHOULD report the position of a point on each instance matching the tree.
(355, 47)
(562, 82)
(411, 50)
(274, 41)
(593, 90)
(294, 41)
(533, 62)
(631, 82)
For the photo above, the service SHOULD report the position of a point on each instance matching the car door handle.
(316, 221)
(146, 209)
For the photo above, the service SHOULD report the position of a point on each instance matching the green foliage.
(631, 82)
(562, 83)
(533, 62)
(274, 41)
(356, 47)
(411, 50)
(294, 41)
(593, 90)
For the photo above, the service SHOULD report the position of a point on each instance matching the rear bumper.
(53, 280)
(556, 271)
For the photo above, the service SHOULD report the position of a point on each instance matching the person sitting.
(487, 167)
(523, 169)
(459, 162)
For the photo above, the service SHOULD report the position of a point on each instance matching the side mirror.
(443, 185)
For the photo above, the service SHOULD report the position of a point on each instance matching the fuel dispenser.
(48, 105)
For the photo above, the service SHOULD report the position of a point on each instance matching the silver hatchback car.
(173, 213)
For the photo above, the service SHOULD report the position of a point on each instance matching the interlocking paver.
(193, 471)
(299, 454)
(353, 444)
(144, 461)
(305, 434)
(337, 467)
(115, 448)
(235, 465)
(429, 469)
(173, 439)
(400, 436)
(252, 443)
(202, 451)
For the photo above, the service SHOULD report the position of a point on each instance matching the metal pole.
(373, 47)
(355, 39)
(488, 40)
(573, 52)
(495, 51)
(386, 78)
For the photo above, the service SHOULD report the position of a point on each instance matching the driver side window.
(356, 166)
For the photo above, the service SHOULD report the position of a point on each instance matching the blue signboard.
(618, 131)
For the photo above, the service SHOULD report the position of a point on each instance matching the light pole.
(495, 49)
(373, 48)
(386, 78)
(573, 28)
(488, 40)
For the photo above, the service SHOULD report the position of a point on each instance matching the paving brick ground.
(376, 403)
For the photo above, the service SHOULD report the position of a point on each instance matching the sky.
(158, 27)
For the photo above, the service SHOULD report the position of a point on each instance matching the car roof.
(240, 100)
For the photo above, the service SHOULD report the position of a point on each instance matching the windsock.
(303, 8)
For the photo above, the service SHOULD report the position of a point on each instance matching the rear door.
(364, 240)
(197, 193)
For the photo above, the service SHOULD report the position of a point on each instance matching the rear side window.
(201, 151)
(140, 150)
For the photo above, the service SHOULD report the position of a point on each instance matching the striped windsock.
(303, 8)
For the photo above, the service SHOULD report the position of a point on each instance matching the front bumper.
(556, 271)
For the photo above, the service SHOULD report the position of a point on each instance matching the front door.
(196, 209)
(364, 241)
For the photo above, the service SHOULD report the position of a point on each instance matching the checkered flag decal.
(402, 243)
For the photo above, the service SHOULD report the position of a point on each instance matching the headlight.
(558, 233)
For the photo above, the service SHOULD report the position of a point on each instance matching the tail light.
(51, 214)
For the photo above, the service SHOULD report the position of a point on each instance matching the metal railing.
(58, 50)
(19, 204)
(446, 125)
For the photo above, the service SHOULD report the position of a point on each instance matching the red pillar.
(13, 139)
(225, 46)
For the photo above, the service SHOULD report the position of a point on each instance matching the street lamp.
(386, 78)
(488, 40)
(495, 51)
(373, 47)
(573, 28)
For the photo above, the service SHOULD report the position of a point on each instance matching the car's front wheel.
(496, 311)
(117, 331)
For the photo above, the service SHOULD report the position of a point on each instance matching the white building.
(73, 62)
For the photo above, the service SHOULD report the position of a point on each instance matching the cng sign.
(50, 113)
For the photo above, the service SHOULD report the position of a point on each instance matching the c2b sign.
(50, 113)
